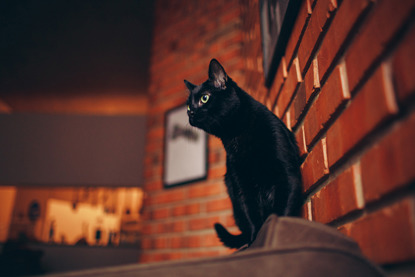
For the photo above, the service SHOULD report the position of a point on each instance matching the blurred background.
(73, 99)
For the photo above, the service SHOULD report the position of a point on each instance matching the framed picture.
(277, 20)
(185, 150)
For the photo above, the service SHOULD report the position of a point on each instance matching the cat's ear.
(189, 85)
(217, 74)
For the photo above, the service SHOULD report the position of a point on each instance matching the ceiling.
(88, 57)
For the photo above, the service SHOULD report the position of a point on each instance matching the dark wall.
(60, 47)
(71, 150)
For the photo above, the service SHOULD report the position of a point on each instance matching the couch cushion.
(284, 247)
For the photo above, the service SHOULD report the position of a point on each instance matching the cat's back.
(263, 120)
(266, 132)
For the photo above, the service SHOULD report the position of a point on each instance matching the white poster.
(185, 158)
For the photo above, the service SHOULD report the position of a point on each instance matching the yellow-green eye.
(188, 107)
(204, 98)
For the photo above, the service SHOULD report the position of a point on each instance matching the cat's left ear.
(189, 85)
(217, 74)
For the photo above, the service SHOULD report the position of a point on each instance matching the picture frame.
(277, 18)
(185, 150)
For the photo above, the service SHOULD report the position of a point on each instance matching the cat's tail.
(229, 240)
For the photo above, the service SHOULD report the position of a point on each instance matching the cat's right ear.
(217, 74)
(189, 85)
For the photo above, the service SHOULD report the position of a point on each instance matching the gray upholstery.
(284, 247)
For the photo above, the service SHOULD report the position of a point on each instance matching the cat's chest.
(249, 157)
(251, 144)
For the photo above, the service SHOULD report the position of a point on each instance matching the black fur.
(263, 165)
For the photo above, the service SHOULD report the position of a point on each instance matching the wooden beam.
(124, 104)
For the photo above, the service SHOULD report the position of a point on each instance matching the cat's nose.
(191, 113)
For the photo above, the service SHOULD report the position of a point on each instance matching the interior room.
(103, 173)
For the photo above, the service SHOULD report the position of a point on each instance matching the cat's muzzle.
(192, 121)
(191, 115)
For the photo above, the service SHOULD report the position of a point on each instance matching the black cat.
(262, 159)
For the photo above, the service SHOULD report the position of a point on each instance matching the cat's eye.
(204, 98)
(188, 107)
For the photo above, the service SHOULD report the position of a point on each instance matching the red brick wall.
(345, 87)
(349, 99)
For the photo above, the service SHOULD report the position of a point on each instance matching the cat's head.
(212, 104)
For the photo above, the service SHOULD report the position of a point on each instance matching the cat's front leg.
(239, 206)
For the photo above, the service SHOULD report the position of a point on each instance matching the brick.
(319, 17)
(174, 88)
(373, 105)
(188, 209)
(309, 211)
(312, 80)
(389, 164)
(299, 136)
(403, 67)
(332, 98)
(177, 242)
(146, 229)
(211, 240)
(386, 236)
(145, 258)
(193, 241)
(290, 86)
(340, 197)
(153, 185)
(175, 256)
(170, 227)
(279, 79)
(159, 243)
(268, 103)
(152, 171)
(229, 54)
(276, 111)
(203, 190)
(343, 22)
(189, 241)
(169, 196)
(216, 172)
(218, 205)
(298, 105)
(159, 257)
(304, 211)
(300, 23)
(146, 215)
(287, 119)
(192, 208)
(374, 36)
(160, 213)
(214, 143)
(154, 145)
(229, 221)
(146, 243)
(260, 96)
(155, 133)
(231, 15)
(315, 167)
(203, 223)
(217, 156)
